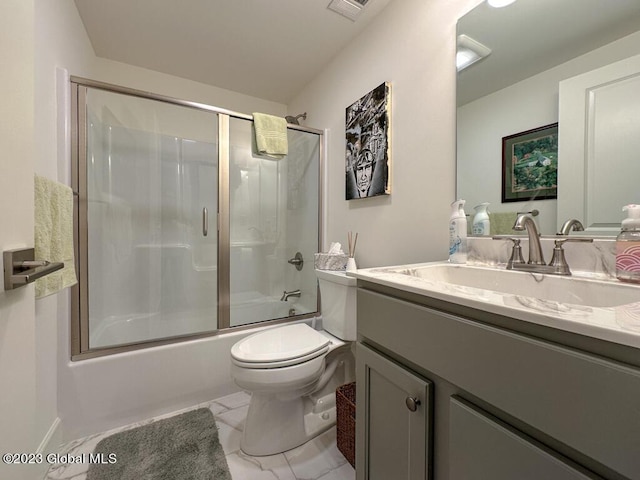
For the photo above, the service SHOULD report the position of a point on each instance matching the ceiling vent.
(348, 8)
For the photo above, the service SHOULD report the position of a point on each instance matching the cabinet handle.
(412, 403)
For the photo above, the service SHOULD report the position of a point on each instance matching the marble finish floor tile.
(318, 459)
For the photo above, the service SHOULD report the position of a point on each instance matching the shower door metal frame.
(224, 225)
(80, 348)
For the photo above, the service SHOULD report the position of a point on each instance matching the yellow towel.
(270, 135)
(54, 234)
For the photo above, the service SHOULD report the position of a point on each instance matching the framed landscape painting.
(530, 165)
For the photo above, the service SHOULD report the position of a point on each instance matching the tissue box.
(328, 261)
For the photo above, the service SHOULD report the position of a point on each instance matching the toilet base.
(274, 425)
(285, 419)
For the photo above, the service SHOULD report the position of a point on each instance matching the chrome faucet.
(536, 264)
(571, 224)
(525, 222)
(293, 293)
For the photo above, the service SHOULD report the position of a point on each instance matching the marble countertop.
(619, 323)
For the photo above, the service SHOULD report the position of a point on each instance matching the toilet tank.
(338, 298)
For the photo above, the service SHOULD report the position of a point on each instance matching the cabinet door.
(482, 447)
(393, 420)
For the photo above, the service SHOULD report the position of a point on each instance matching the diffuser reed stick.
(352, 243)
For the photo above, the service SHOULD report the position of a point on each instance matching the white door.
(599, 141)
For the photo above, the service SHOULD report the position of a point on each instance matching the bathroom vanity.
(464, 381)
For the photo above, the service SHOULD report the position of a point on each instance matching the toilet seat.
(280, 347)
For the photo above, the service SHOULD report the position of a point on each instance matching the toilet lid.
(283, 344)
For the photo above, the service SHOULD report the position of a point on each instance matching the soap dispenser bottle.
(628, 246)
(481, 224)
(458, 233)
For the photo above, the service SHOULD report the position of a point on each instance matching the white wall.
(412, 46)
(36, 37)
(18, 406)
(481, 126)
(90, 395)
(53, 49)
(147, 80)
(526, 105)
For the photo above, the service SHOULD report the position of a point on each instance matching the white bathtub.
(247, 308)
(107, 392)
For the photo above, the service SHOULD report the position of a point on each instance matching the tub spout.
(293, 293)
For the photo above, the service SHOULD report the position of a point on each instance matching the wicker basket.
(346, 421)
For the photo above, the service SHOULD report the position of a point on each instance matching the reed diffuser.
(352, 241)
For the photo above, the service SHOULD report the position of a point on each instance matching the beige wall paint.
(412, 45)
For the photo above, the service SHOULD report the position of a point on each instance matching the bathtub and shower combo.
(185, 241)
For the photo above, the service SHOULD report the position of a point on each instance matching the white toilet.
(292, 372)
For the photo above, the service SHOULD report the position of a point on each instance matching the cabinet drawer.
(481, 447)
(582, 401)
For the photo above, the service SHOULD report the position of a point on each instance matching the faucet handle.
(558, 261)
(516, 252)
(560, 241)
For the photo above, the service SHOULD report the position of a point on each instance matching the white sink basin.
(583, 304)
(553, 288)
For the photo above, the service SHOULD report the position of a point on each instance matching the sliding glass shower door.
(151, 199)
(273, 213)
(182, 230)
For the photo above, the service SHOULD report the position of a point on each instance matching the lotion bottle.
(481, 225)
(628, 246)
(458, 233)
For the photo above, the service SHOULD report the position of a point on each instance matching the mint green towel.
(270, 135)
(53, 234)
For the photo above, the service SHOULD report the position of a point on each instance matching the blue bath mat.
(184, 447)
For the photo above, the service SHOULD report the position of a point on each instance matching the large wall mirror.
(571, 62)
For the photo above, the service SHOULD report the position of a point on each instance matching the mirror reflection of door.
(600, 130)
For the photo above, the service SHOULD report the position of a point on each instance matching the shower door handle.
(205, 221)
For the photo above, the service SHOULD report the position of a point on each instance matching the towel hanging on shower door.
(270, 135)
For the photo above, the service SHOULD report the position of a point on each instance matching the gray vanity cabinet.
(395, 424)
(510, 400)
(482, 447)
